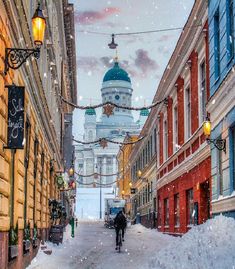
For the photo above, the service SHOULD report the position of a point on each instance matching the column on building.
(180, 101)
(194, 90)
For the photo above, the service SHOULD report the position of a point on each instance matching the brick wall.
(195, 178)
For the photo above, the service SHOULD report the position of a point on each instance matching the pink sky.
(144, 56)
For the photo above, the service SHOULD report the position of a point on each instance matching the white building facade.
(92, 158)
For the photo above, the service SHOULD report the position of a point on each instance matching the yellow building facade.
(28, 175)
(124, 172)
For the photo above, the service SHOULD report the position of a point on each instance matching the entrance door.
(204, 213)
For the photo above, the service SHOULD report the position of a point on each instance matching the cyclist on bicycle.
(119, 224)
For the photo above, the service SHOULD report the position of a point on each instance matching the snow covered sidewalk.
(208, 246)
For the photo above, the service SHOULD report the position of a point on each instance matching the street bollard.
(72, 226)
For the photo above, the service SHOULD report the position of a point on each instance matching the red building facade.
(183, 156)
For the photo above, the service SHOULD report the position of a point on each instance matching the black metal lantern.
(112, 45)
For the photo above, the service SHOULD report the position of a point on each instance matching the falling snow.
(207, 246)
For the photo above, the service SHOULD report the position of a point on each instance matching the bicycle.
(119, 240)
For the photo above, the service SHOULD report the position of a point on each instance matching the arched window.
(90, 135)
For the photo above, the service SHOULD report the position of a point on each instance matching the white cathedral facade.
(92, 158)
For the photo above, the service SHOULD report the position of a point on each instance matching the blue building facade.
(221, 105)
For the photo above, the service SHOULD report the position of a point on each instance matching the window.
(166, 211)
(27, 143)
(146, 154)
(175, 129)
(217, 44)
(165, 140)
(188, 112)
(189, 196)
(42, 165)
(148, 192)
(233, 156)
(203, 97)
(158, 146)
(177, 209)
(155, 141)
(90, 136)
(36, 144)
(159, 213)
(230, 29)
(148, 148)
(219, 170)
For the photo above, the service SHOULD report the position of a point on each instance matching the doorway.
(205, 201)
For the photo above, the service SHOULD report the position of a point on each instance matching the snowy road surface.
(207, 246)
(94, 247)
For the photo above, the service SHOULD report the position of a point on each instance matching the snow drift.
(207, 246)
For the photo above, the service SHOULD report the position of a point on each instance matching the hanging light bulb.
(112, 45)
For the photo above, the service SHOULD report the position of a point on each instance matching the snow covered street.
(210, 245)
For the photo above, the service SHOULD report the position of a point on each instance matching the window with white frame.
(219, 171)
(232, 141)
(175, 126)
(203, 96)
(165, 140)
(166, 212)
(158, 146)
(188, 113)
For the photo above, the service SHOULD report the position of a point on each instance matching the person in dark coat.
(119, 224)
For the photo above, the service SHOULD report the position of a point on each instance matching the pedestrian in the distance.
(76, 222)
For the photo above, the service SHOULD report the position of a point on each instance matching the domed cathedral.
(116, 88)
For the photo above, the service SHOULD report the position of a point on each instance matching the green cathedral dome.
(90, 111)
(116, 73)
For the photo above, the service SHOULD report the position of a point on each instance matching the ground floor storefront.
(20, 255)
(185, 201)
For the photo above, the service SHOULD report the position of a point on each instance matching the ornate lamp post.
(15, 57)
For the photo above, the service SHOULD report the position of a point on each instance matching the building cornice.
(201, 154)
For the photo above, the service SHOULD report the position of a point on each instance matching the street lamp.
(123, 192)
(123, 164)
(139, 174)
(112, 45)
(15, 57)
(71, 171)
(94, 185)
(220, 144)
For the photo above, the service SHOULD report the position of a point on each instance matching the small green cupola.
(90, 111)
(144, 112)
